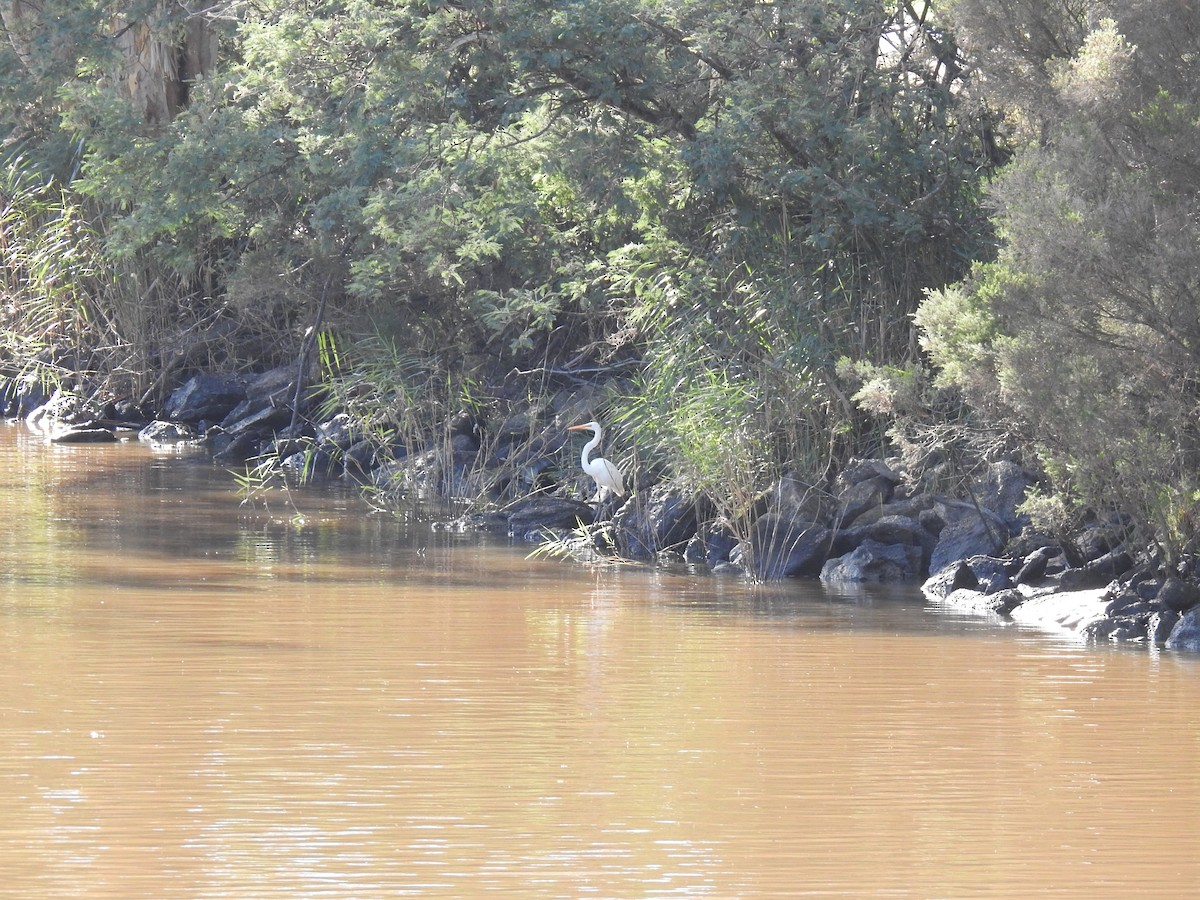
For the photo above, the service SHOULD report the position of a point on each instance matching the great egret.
(604, 473)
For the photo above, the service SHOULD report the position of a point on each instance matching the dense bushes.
(735, 197)
(1084, 332)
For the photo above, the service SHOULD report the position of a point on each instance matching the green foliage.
(51, 276)
(740, 194)
(1085, 329)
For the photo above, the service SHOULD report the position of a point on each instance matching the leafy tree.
(1087, 328)
(749, 190)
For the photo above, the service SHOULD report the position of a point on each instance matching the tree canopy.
(737, 195)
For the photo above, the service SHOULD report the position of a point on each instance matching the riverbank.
(517, 473)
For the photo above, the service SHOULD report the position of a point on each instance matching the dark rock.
(1178, 595)
(205, 397)
(711, 545)
(856, 499)
(251, 417)
(160, 432)
(30, 394)
(1096, 573)
(787, 548)
(338, 433)
(83, 435)
(931, 520)
(1125, 628)
(275, 387)
(956, 576)
(129, 414)
(872, 561)
(914, 508)
(983, 574)
(1100, 538)
(1160, 625)
(1001, 489)
(729, 568)
(1131, 606)
(533, 515)
(665, 520)
(795, 499)
(885, 530)
(966, 534)
(1185, 635)
(992, 571)
(237, 448)
(464, 442)
(1033, 567)
(1002, 603)
(358, 460)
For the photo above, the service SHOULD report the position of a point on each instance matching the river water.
(201, 698)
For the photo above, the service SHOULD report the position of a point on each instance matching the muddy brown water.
(203, 699)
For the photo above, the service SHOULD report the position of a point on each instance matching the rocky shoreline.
(871, 523)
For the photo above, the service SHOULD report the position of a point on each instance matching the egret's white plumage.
(604, 473)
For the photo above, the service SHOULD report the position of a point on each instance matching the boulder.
(160, 432)
(710, 545)
(250, 416)
(874, 562)
(864, 485)
(1096, 573)
(533, 516)
(787, 548)
(1033, 566)
(664, 520)
(28, 395)
(885, 530)
(967, 533)
(982, 574)
(82, 434)
(983, 524)
(972, 601)
(1185, 634)
(1177, 595)
(205, 397)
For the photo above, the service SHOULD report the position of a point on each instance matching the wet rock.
(1158, 629)
(358, 460)
(28, 395)
(967, 533)
(533, 517)
(887, 530)
(864, 485)
(274, 387)
(872, 561)
(710, 545)
(338, 433)
(1185, 635)
(664, 520)
(1002, 603)
(1096, 573)
(787, 548)
(234, 448)
(209, 397)
(1033, 566)
(160, 432)
(917, 508)
(794, 499)
(74, 434)
(1070, 611)
(1178, 595)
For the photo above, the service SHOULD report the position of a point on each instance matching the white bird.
(604, 473)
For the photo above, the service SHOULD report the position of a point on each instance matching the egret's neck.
(589, 447)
